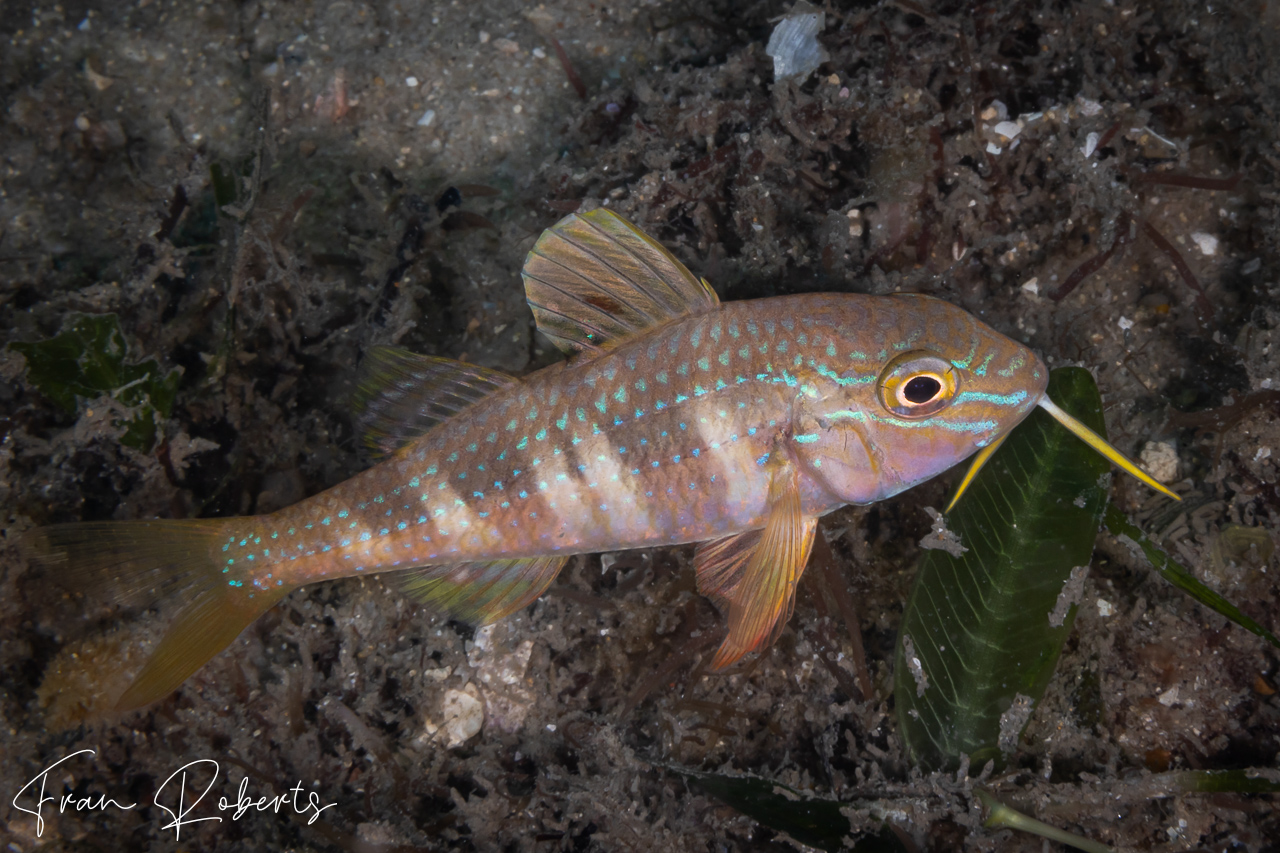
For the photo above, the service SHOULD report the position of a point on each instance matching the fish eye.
(917, 384)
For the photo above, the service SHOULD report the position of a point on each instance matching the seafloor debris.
(794, 43)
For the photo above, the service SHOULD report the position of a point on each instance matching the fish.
(675, 419)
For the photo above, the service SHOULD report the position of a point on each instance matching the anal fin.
(483, 592)
(402, 395)
(760, 588)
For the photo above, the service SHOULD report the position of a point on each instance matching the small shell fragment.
(1161, 459)
(794, 43)
(1207, 242)
(463, 716)
(1008, 129)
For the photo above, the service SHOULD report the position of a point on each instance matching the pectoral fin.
(761, 594)
(719, 564)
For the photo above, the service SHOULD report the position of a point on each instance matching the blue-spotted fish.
(676, 419)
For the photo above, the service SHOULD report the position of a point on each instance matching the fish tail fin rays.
(141, 562)
(481, 593)
(757, 573)
(594, 279)
(1101, 445)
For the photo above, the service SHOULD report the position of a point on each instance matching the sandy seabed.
(262, 191)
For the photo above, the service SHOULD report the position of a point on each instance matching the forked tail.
(142, 562)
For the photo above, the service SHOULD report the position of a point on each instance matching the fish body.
(670, 438)
(676, 420)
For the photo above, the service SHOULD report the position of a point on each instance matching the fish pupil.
(921, 389)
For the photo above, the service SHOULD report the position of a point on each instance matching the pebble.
(1207, 242)
(1161, 460)
(463, 716)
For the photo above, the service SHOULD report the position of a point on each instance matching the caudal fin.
(142, 562)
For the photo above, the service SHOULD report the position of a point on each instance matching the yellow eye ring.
(917, 384)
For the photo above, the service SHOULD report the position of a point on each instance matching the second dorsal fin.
(594, 280)
(401, 395)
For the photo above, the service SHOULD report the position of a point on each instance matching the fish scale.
(676, 420)
(617, 452)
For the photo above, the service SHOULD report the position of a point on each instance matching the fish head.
(927, 386)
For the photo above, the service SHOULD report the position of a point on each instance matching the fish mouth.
(1088, 436)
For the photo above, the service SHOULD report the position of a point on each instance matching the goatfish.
(676, 419)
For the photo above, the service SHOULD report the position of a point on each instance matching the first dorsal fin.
(594, 280)
(401, 395)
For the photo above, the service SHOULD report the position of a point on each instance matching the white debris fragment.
(411, 82)
(1032, 286)
(484, 37)
(1069, 597)
(463, 714)
(1088, 107)
(1105, 608)
(794, 43)
(501, 663)
(1013, 721)
(940, 538)
(1008, 129)
(995, 111)
(1125, 323)
(427, 117)
(914, 665)
(992, 148)
(1169, 698)
(1161, 460)
(1090, 144)
(1207, 242)
(1264, 452)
